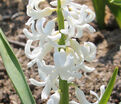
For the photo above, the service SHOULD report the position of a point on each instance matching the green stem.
(63, 84)
(64, 93)
(60, 23)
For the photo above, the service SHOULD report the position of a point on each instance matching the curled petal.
(35, 53)
(31, 36)
(80, 95)
(87, 14)
(73, 102)
(36, 83)
(102, 89)
(69, 30)
(89, 51)
(82, 99)
(50, 83)
(30, 21)
(53, 3)
(54, 99)
(42, 75)
(49, 27)
(95, 94)
(55, 37)
(64, 31)
(31, 63)
(38, 52)
(45, 49)
(77, 48)
(46, 90)
(86, 68)
(39, 14)
(88, 28)
(37, 4)
(78, 6)
(91, 16)
(63, 3)
(79, 33)
(45, 68)
(39, 25)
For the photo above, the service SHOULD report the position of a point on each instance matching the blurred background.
(108, 40)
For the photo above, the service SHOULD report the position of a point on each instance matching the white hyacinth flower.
(79, 15)
(80, 50)
(76, 31)
(34, 11)
(64, 64)
(72, 31)
(82, 99)
(89, 51)
(49, 82)
(37, 53)
(41, 32)
(78, 18)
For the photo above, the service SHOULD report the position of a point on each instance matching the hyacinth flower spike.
(69, 56)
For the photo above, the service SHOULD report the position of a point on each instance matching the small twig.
(19, 44)
(6, 17)
(11, 17)
(17, 15)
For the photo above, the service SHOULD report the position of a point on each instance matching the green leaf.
(14, 71)
(116, 2)
(99, 6)
(116, 10)
(109, 88)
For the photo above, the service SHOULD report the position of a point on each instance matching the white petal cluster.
(70, 58)
(77, 18)
(82, 99)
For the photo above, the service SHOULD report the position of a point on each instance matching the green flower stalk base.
(64, 93)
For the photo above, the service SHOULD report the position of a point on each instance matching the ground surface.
(108, 41)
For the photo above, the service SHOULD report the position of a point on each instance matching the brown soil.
(108, 43)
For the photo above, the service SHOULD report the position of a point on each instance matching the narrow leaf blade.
(99, 6)
(14, 71)
(109, 88)
(116, 10)
(116, 2)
